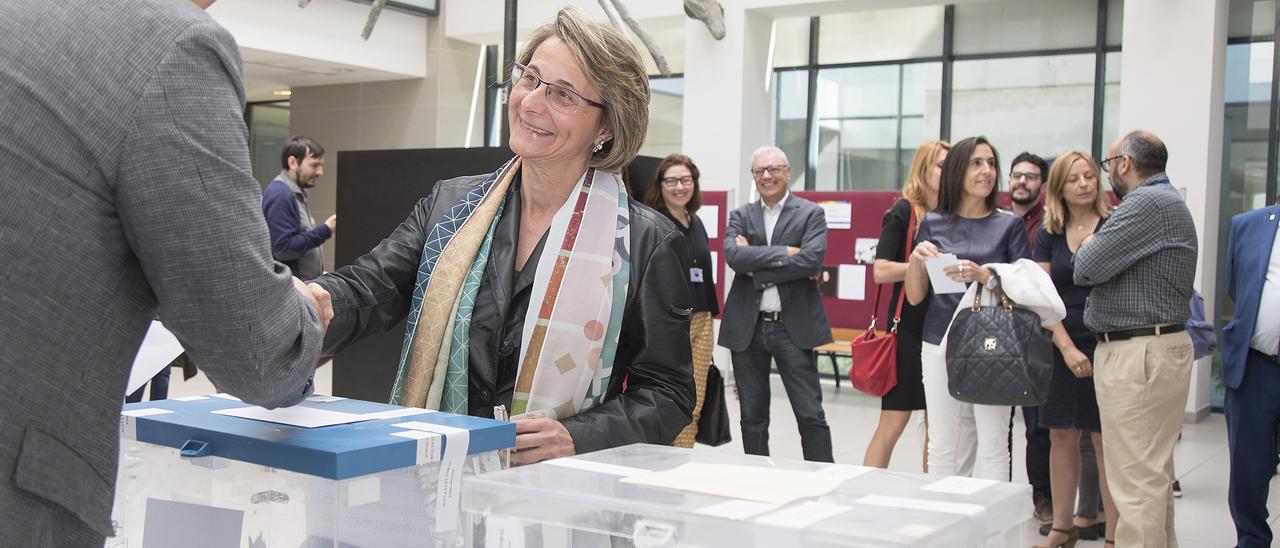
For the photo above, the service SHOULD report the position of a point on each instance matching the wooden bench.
(838, 348)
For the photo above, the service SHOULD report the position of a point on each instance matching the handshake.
(319, 298)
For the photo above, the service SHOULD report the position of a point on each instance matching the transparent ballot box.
(656, 496)
(330, 472)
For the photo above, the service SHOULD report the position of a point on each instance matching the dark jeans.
(799, 370)
(1037, 454)
(159, 388)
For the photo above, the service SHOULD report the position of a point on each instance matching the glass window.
(790, 110)
(1248, 111)
(268, 131)
(1025, 25)
(1039, 104)
(1115, 22)
(1251, 18)
(666, 117)
(791, 42)
(1246, 122)
(1110, 106)
(869, 121)
(881, 35)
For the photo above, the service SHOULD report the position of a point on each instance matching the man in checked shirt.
(1142, 265)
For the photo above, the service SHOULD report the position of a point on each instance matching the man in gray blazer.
(125, 189)
(774, 311)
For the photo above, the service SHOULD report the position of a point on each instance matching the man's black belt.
(771, 316)
(1125, 334)
(1273, 358)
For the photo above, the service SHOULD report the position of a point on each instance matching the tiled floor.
(1202, 517)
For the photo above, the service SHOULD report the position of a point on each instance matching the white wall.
(1173, 87)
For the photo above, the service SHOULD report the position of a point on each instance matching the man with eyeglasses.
(1025, 180)
(1142, 266)
(774, 311)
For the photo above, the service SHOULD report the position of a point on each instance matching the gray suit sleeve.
(806, 263)
(748, 258)
(188, 204)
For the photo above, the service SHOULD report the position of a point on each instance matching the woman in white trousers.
(968, 225)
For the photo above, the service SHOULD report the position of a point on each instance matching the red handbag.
(875, 358)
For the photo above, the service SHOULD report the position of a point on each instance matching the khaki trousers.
(700, 338)
(1142, 386)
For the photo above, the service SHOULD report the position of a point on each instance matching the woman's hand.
(541, 439)
(922, 251)
(965, 271)
(1077, 362)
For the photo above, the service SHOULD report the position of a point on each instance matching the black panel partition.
(376, 191)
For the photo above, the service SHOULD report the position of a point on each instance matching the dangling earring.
(598, 146)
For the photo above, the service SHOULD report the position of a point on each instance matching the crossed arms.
(769, 265)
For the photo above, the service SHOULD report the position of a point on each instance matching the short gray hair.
(1146, 151)
(769, 149)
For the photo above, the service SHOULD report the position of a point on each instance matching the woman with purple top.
(968, 225)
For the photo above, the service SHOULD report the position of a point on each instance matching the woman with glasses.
(1075, 209)
(919, 196)
(541, 287)
(675, 193)
(967, 224)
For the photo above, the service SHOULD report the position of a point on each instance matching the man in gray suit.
(125, 189)
(774, 311)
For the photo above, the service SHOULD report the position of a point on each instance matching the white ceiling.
(266, 72)
(284, 46)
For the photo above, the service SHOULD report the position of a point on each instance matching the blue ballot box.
(331, 472)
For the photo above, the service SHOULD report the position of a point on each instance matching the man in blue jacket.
(295, 236)
(1251, 369)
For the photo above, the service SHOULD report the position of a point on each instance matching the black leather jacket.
(653, 355)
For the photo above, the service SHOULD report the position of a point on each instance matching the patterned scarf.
(567, 346)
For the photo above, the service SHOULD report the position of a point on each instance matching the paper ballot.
(941, 282)
(766, 485)
(300, 415)
(159, 349)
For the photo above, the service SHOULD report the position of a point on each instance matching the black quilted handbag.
(998, 355)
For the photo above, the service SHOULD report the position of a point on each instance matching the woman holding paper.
(919, 195)
(1075, 209)
(675, 192)
(964, 232)
(541, 286)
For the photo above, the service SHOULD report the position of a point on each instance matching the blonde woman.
(919, 196)
(1075, 209)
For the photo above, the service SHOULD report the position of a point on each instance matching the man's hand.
(332, 221)
(319, 298)
(792, 250)
(541, 439)
(741, 241)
